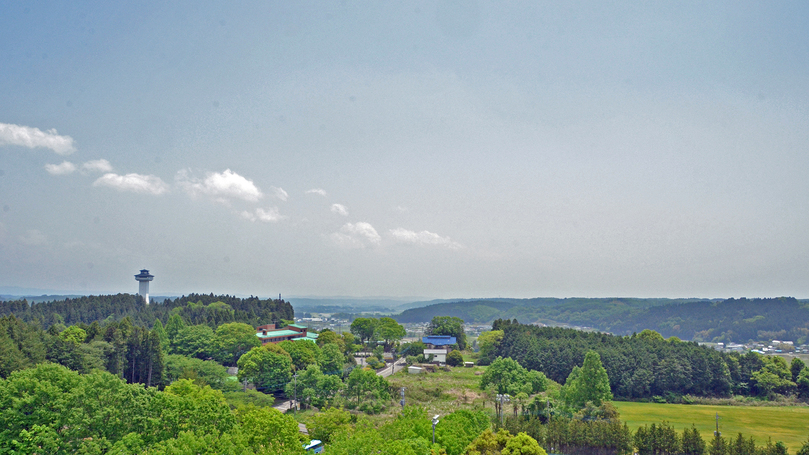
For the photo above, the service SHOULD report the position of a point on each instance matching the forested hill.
(736, 320)
(731, 320)
(578, 311)
(207, 309)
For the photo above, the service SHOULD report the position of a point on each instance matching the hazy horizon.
(396, 149)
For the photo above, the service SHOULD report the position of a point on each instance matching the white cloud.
(356, 235)
(101, 165)
(33, 237)
(34, 137)
(137, 183)
(60, 169)
(280, 193)
(271, 215)
(402, 235)
(339, 209)
(319, 191)
(227, 184)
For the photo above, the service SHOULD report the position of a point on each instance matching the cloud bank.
(319, 191)
(339, 209)
(227, 184)
(136, 183)
(356, 235)
(60, 169)
(34, 137)
(97, 166)
(271, 215)
(428, 238)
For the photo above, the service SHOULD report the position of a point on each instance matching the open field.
(787, 424)
(442, 392)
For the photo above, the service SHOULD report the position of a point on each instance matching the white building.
(439, 355)
(143, 279)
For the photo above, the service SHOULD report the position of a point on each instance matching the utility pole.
(435, 422)
(502, 398)
(717, 433)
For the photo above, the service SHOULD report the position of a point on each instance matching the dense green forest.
(568, 310)
(647, 365)
(731, 320)
(737, 320)
(208, 309)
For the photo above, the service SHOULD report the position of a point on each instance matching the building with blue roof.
(439, 340)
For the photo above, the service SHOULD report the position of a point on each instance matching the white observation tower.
(143, 279)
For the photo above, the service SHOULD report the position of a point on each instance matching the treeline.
(646, 365)
(212, 310)
(611, 437)
(119, 347)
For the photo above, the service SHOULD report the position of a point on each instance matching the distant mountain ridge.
(528, 310)
(728, 320)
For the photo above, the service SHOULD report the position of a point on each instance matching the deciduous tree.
(268, 367)
(232, 340)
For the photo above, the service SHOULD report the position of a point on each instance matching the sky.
(442, 149)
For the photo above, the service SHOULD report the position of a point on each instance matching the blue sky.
(436, 149)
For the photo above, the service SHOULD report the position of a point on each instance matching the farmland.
(781, 423)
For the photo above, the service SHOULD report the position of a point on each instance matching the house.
(438, 341)
(439, 355)
(269, 334)
(438, 346)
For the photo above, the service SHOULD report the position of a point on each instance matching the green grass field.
(787, 424)
(442, 392)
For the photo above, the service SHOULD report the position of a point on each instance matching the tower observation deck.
(143, 279)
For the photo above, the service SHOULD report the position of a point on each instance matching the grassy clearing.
(442, 392)
(787, 424)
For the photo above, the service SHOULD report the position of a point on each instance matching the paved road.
(387, 371)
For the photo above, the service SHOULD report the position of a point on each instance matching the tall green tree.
(174, 325)
(161, 334)
(795, 367)
(364, 328)
(692, 442)
(326, 423)
(330, 337)
(488, 342)
(718, 446)
(232, 340)
(303, 353)
(522, 444)
(331, 359)
(589, 383)
(509, 377)
(268, 367)
(363, 384)
(449, 326)
(389, 331)
(194, 341)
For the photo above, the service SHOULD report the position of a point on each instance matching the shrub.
(455, 358)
